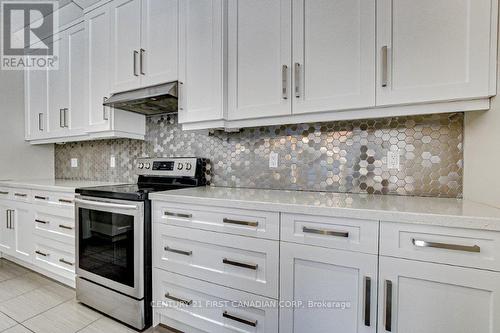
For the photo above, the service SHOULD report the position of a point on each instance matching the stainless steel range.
(113, 241)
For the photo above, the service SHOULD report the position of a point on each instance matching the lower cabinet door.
(7, 239)
(325, 290)
(23, 228)
(421, 297)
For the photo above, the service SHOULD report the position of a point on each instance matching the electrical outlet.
(273, 160)
(393, 159)
(74, 163)
(112, 162)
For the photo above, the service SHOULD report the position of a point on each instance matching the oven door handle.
(105, 204)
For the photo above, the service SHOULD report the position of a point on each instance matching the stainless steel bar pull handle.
(42, 253)
(142, 62)
(453, 247)
(240, 264)
(61, 118)
(104, 110)
(42, 221)
(388, 306)
(7, 216)
(185, 253)
(22, 195)
(40, 121)
(325, 232)
(4, 193)
(177, 299)
(135, 54)
(66, 117)
(239, 222)
(297, 80)
(368, 301)
(180, 95)
(385, 66)
(284, 78)
(248, 322)
(65, 201)
(181, 215)
(40, 197)
(12, 212)
(62, 226)
(66, 262)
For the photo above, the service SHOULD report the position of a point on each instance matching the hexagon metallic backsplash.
(345, 156)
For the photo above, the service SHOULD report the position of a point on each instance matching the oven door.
(110, 244)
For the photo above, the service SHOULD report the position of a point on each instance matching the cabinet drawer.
(211, 308)
(50, 224)
(243, 263)
(53, 198)
(22, 195)
(55, 257)
(461, 247)
(243, 222)
(337, 233)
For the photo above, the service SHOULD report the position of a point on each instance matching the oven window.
(106, 245)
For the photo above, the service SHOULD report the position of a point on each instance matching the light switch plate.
(112, 162)
(393, 159)
(74, 163)
(273, 160)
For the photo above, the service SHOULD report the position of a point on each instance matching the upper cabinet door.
(159, 43)
(36, 99)
(433, 50)
(259, 58)
(58, 91)
(98, 62)
(76, 116)
(125, 45)
(201, 33)
(333, 55)
(421, 297)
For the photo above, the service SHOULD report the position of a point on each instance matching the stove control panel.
(169, 167)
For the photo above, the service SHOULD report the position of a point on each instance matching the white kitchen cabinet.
(333, 55)
(159, 42)
(202, 78)
(332, 289)
(259, 58)
(423, 297)
(7, 237)
(22, 222)
(125, 44)
(144, 43)
(435, 50)
(36, 103)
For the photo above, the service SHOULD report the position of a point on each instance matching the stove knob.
(188, 166)
(180, 166)
(140, 165)
(147, 165)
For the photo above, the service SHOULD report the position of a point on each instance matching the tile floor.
(30, 303)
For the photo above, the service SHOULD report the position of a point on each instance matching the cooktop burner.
(155, 175)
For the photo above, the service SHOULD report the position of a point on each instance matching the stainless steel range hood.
(149, 101)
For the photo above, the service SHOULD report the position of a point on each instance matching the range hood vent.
(150, 101)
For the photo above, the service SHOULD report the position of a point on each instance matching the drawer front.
(243, 263)
(58, 199)
(243, 222)
(6, 193)
(211, 308)
(22, 195)
(461, 247)
(50, 224)
(55, 257)
(331, 232)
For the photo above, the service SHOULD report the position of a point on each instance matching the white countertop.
(434, 211)
(59, 185)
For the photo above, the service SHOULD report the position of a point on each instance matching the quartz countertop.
(420, 210)
(59, 185)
